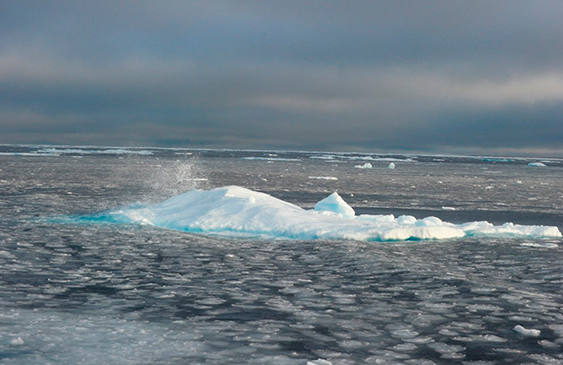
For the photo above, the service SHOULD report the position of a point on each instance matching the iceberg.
(234, 211)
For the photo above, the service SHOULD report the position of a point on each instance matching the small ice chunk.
(319, 362)
(323, 177)
(17, 342)
(444, 348)
(549, 345)
(334, 203)
(391, 166)
(527, 332)
(367, 165)
(6, 255)
(448, 208)
(537, 164)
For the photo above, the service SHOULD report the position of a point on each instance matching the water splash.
(171, 178)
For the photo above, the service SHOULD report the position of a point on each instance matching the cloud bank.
(432, 76)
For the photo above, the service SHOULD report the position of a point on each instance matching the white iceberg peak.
(334, 203)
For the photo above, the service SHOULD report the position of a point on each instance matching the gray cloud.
(425, 75)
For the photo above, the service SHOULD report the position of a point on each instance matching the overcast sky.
(482, 77)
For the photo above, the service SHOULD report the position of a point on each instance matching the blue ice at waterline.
(236, 211)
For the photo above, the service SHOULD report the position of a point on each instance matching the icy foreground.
(236, 211)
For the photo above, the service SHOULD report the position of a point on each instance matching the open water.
(129, 294)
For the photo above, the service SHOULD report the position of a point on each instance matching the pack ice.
(237, 211)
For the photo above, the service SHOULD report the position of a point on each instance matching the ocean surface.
(92, 292)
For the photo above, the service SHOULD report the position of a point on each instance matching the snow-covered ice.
(235, 211)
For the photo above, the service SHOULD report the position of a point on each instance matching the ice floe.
(270, 158)
(85, 151)
(323, 177)
(29, 154)
(527, 332)
(237, 211)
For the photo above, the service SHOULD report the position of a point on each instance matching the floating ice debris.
(323, 157)
(323, 177)
(367, 165)
(549, 345)
(6, 255)
(447, 350)
(540, 244)
(448, 208)
(527, 332)
(236, 211)
(17, 341)
(391, 166)
(537, 164)
(319, 362)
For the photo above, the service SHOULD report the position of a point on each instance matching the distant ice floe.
(81, 151)
(540, 244)
(236, 211)
(493, 159)
(391, 166)
(323, 157)
(323, 177)
(29, 154)
(361, 158)
(319, 362)
(272, 159)
(367, 165)
(537, 164)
